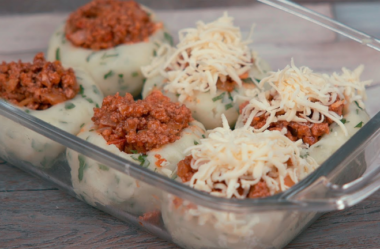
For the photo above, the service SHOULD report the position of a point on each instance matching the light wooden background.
(35, 214)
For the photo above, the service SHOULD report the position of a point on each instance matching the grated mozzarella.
(301, 91)
(241, 158)
(204, 55)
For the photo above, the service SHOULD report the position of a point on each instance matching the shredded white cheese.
(231, 159)
(299, 92)
(205, 54)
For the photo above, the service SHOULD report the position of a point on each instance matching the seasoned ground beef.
(37, 86)
(229, 85)
(310, 133)
(151, 217)
(103, 24)
(186, 172)
(142, 125)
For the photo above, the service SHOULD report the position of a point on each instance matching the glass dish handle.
(322, 195)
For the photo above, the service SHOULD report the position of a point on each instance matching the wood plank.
(357, 227)
(52, 219)
(14, 179)
(32, 32)
(48, 219)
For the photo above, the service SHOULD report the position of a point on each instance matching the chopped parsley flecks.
(69, 106)
(169, 38)
(95, 89)
(90, 56)
(203, 136)
(357, 111)
(96, 105)
(90, 100)
(248, 80)
(357, 104)
(121, 80)
(135, 74)
(305, 155)
(142, 159)
(109, 74)
(344, 121)
(258, 81)
(230, 96)
(35, 147)
(359, 125)
(27, 111)
(134, 151)
(81, 125)
(221, 96)
(81, 90)
(105, 55)
(82, 167)
(195, 142)
(103, 167)
(154, 53)
(228, 106)
(58, 54)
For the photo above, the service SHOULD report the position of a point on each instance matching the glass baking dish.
(166, 207)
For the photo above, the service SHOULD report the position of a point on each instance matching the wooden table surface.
(35, 214)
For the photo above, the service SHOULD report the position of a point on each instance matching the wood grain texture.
(49, 218)
(357, 227)
(13, 179)
(52, 219)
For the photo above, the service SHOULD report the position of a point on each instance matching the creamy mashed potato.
(211, 70)
(236, 164)
(98, 183)
(115, 69)
(207, 108)
(355, 117)
(18, 142)
(204, 228)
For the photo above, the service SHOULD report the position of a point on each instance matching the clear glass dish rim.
(281, 201)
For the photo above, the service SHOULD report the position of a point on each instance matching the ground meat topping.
(151, 217)
(103, 24)
(309, 132)
(38, 85)
(186, 172)
(142, 125)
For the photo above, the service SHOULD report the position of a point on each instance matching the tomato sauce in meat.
(228, 86)
(186, 172)
(142, 125)
(151, 217)
(103, 24)
(310, 133)
(38, 85)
